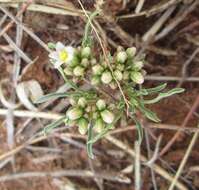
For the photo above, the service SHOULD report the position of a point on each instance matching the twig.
(9, 25)
(32, 114)
(154, 10)
(184, 160)
(170, 143)
(28, 31)
(137, 166)
(69, 173)
(158, 24)
(186, 64)
(139, 6)
(171, 78)
(176, 21)
(156, 168)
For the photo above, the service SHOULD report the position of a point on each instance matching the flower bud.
(120, 48)
(107, 116)
(95, 80)
(86, 52)
(113, 85)
(120, 67)
(99, 125)
(137, 77)
(82, 126)
(69, 122)
(88, 109)
(68, 71)
(121, 57)
(74, 113)
(95, 115)
(126, 75)
(138, 65)
(72, 101)
(74, 62)
(106, 77)
(97, 69)
(118, 75)
(93, 61)
(131, 52)
(78, 71)
(85, 62)
(101, 104)
(82, 102)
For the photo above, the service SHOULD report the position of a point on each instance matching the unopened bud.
(121, 57)
(74, 62)
(93, 61)
(97, 69)
(72, 101)
(138, 65)
(101, 104)
(131, 52)
(118, 75)
(86, 52)
(78, 71)
(99, 125)
(113, 85)
(82, 126)
(68, 71)
(85, 62)
(120, 67)
(106, 77)
(137, 77)
(82, 102)
(126, 75)
(107, 116)
(95, 80)
(74, 113)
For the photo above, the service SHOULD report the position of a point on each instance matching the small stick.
(139, 6)
(69, 173)
(137, 166)
(184, 160)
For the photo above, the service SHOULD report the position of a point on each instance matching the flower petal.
(54, 55)
(59, 46)
(57, 64)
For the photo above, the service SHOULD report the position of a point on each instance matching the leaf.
(53, 125)
(139, 129)
(50, 97)
(87, 34)
(100, 135)
(148, 113)
(145, 92)
(156, 89)
(164, 95)
(89, 142)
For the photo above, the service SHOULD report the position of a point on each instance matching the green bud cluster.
(80, 63)
(83, 111)
(128, 66)
(125, 67)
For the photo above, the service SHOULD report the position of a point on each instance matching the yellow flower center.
(63, 55)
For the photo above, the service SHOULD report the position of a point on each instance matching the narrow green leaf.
(50, 97)
(139, 129)
(164, 95)
(156, 89)
(89, 141)
(151, 115)
(53, 125)
(145, 92)
(100, 135)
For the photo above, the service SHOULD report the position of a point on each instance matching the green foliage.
(99, 107)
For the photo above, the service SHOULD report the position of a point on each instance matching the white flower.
(62, 54)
